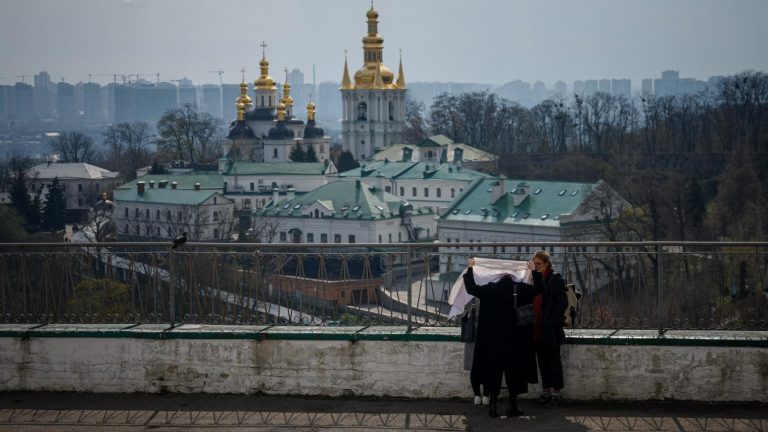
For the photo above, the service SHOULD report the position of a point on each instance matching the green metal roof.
(207, 180)
(166, 196)
(545, 202)
(412, 170)
(276, 168)
(345, 200)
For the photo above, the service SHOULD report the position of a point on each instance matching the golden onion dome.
(281, 112)
(310, 111)
(372, 14)
(244, 98)
(264, 82)
(366, 75)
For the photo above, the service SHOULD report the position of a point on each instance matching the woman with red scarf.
(548, 335)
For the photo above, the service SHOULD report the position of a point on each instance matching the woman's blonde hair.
(544, 257)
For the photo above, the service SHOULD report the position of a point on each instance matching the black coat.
(553, 303)
(500, 345)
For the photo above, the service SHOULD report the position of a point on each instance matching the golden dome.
(281, 112)
(286, 100)
(310, 111)
(244, 98)
(373, 74)
(265, 82)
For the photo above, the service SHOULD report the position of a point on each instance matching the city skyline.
(441, 40)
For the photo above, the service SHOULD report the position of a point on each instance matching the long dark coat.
(501, 347)
(553, 303)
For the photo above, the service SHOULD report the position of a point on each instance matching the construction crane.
(114, 76)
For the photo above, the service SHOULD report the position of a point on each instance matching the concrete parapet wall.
(361, 361)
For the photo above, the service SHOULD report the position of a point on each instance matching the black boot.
(492, 408)
(512, 409)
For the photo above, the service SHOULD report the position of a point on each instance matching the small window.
(215, 233)
(126, 212)
(351, 238)
(468, 211)
(310, 238)
(426, 192)
(538, 191)
(574, 192)
(136, 212)
(337, 238)
(79, 187)
(146, 213)
(389, 237)
(215, 217)
(253, 187)
(282, 236)
(562, 192)
(402, 191)
(323, 238)
(544, 216)
(413, 191)
(157, 215)
(387, 189)
(439, 193)
(453, 193)
(286, 206)
(379, 238)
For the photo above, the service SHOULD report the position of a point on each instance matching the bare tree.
(128, 147)
(74, 147)
(187, 134)
(415, 125)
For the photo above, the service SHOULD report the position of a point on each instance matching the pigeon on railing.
(178, 241)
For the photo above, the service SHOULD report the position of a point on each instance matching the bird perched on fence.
(178, 241)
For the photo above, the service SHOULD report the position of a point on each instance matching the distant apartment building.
(646, 86)
(604, 86)
(330, 103)
(578, 87)
(590, 87)
(211, 103)
(92, 109)
(42, 95)
(560, 88)
(65, 102)
(621, 87)
(21, 105)
(230, 93)
(186, 94)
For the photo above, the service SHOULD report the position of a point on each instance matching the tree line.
(694, 166)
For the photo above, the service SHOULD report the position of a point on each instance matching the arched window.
(362, 111)
(317, 213)
(274, 153)
(391, 111)
(262, 101)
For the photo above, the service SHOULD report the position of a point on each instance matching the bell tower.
(373, 106)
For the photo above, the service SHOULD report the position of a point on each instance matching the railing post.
(409, 276)
(660, 287)
(171, 282)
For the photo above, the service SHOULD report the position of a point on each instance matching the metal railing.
(632, 285)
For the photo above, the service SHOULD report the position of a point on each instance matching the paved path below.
(145, 412)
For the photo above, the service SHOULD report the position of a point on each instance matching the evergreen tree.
(55, 207)
(11, 228)
(35, 216)
(297, 153)
(20, 197)
(346, 161)
(310, 155)
(158, 168)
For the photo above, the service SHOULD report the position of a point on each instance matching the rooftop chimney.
(151, 184)
(140, 187)
(162, 184)
(173, 185)
(197, 186)
(275, 195)
(291, 193)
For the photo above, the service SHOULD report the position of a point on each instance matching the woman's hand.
(531, 266)
(471, 262)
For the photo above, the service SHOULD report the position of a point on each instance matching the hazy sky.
(487, 41)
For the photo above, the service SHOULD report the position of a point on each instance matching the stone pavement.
(208, 412)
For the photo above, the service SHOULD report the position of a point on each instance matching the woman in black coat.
(550, 308)
(501, 346)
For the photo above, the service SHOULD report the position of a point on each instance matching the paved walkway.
(142, 412)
